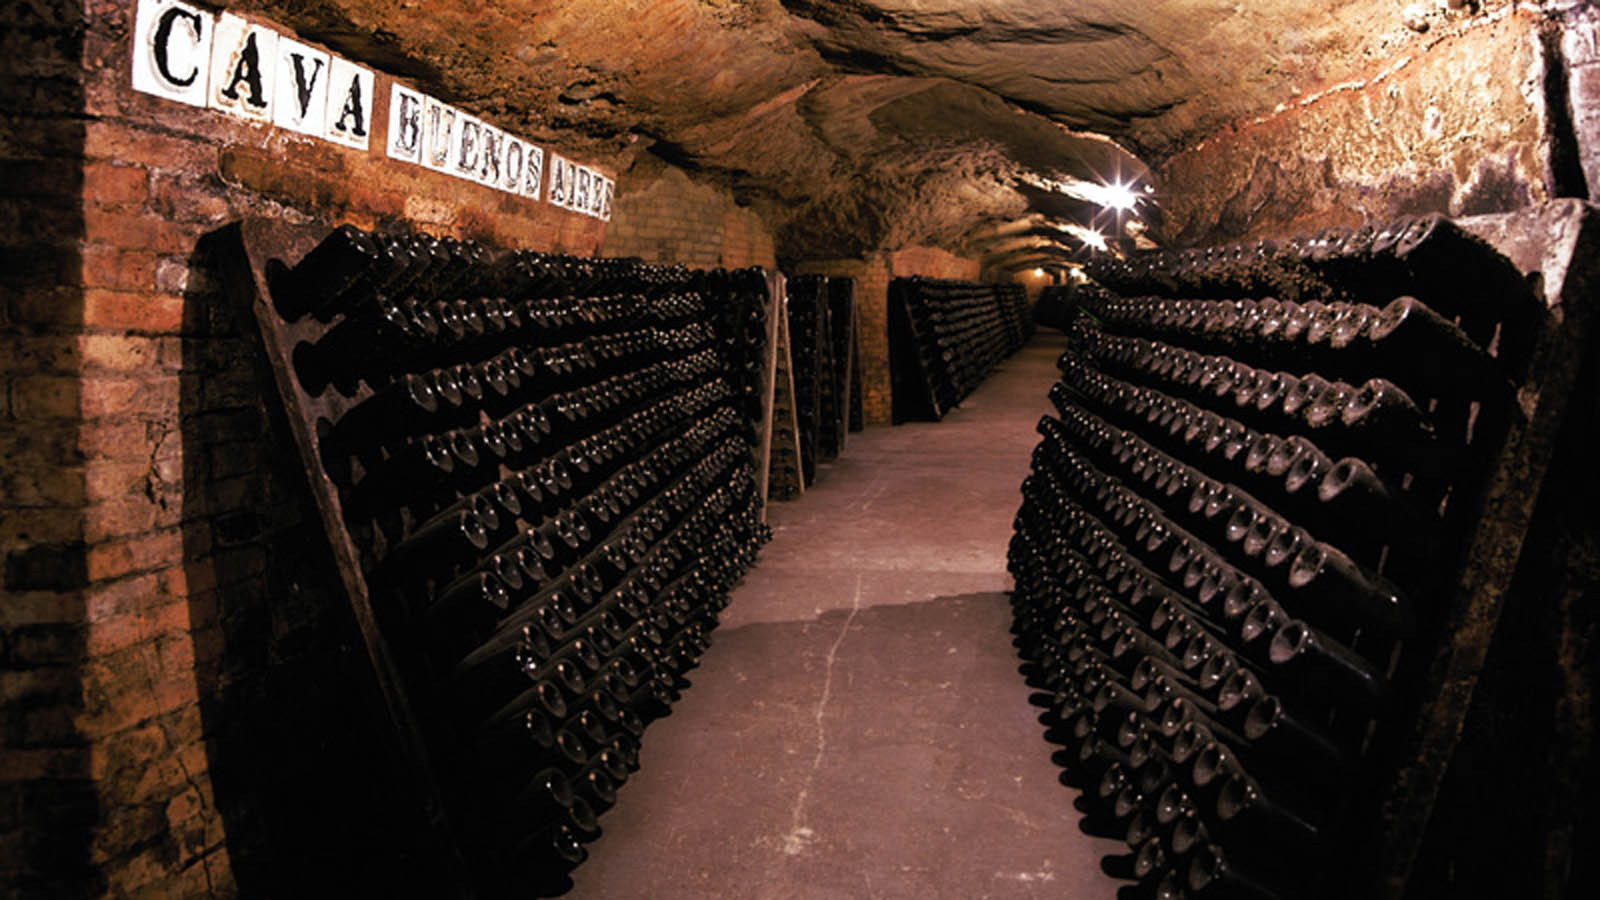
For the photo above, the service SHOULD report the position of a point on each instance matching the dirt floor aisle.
(859, 728)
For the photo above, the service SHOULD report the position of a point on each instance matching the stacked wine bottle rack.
(821, 342)
(1013, 301)
(945, 337)
(1240, 529)
(539, 470)
(842, 398)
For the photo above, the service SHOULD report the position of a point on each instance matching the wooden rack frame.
(251, 250)
(1558, 246)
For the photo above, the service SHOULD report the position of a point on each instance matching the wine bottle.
(1328, 586)
(1327, 665)
(326, 273)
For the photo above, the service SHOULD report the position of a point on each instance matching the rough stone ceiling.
(865, 124)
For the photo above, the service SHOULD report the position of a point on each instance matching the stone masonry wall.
(1580, 52)
(1459, 128)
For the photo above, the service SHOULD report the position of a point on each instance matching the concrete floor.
(859, 728)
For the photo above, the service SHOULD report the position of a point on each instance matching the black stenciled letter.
(353, 107)
(467, 159)
(558, 182)
(513, 165)
(163, 37)
(410, 134)
(247, 70)
(490, 172)
(303, 86)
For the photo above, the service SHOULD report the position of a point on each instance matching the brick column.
(48, 802)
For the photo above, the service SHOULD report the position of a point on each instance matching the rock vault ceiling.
(863, 124)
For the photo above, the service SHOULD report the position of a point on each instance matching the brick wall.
(873, 275)
(45, 763)
(186, 703)
(664, 216)
(872, 318)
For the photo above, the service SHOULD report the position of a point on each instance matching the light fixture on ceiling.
(1038, 273)
(1092, 238)
(1118, 196)
(1112, 194)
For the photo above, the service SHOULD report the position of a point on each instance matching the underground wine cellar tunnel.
(799, 449)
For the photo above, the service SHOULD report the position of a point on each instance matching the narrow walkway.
(859, 728)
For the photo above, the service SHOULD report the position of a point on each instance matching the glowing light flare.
(1118, 196)
(1114, 195)
(1090, 237)
(1038, 273)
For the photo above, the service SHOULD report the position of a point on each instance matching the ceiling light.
(1089, 237)
(1118, 196)
(1038, 273)
(1108, 195)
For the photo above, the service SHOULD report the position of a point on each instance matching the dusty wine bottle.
(324, 274)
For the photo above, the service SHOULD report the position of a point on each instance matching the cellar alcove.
(946, 220)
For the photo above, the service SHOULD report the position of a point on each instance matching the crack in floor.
(800, 836)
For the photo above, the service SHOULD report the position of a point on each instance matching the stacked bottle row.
(1227, 569)
(821, 331)
(841, 398)
(1428, 257)
(945, 337)
(545, 464)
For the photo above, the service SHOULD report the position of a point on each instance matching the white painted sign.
(301, 101)
(494, 153)
(349, 118)
(580, 196)
(468, 153)
(533, 174)
(569, 185)
(512, 158)
(172, 51)
(558, 180)
(250, 71)
(438, 134)
(244, 59)
(405, 123)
